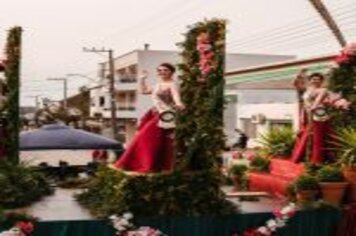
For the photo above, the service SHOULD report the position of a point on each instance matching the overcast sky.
(55, 31)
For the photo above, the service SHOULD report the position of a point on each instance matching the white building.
(131, 105)
(263, 97)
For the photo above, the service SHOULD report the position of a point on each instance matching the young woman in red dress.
(151, 150)
(315, 131)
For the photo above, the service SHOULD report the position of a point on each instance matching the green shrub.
(278, 142)
(330, 174)
(259, 164)
(305, 182)
(114, 192)
(20, 185)
(238, 170)
(345, 143)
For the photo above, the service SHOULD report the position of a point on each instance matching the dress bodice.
(309, 97)
(320, 113)
(165, 95)
(163, 99)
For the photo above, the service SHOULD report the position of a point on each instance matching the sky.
(56, 31)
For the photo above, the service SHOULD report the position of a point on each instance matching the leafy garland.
(199, 132)
(282, 216)
(170, 194)
(10, 111)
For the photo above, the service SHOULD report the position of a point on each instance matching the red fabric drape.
(151, 150)
(318, 133)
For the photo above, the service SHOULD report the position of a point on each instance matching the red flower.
(251, 232)
(342, 58)
(350, 49)
(26, 227)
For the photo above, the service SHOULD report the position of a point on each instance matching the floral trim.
(125, 227)
(21, 228)
(206, 55)
(18, 224)
(282, 216)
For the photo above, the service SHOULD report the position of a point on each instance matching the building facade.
(263, 97)
(130, 104)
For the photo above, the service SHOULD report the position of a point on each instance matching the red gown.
(317, 135)
(313, 134)
(151, 150)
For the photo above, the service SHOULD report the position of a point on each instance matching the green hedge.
(20, 185)
(114, 192)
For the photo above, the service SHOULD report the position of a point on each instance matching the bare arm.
(299, 81)
(144, 88)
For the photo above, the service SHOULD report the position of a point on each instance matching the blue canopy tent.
(61, 137)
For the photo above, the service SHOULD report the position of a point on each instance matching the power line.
(285, 29)
(287, 38)
(144, 21)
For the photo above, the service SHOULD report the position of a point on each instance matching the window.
(101, 101)
(275, 124)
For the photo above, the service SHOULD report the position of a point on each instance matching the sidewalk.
(59, 206)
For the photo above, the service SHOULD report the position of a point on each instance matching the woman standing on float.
(315, 130)
(151, 150)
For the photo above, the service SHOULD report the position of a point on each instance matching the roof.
(280, 71)
(285, 83)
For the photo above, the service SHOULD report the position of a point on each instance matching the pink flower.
(342, 104)
(203, 47)
(203, 38)
(208, 55)
(206, 69)
(237, 155)
(249, 155)
(277, 213)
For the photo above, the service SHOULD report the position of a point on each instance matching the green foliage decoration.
(238, 170)
(305, 182)
(330, 173)
(259, 164)
(199, 132)
(10, 111)
(343, 81)
(20, 185)
(169, 194)
(278, 142)
(345, 145)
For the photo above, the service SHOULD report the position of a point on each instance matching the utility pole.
(111, 77)
(37, 103)
(329, 20)
(65, 89)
